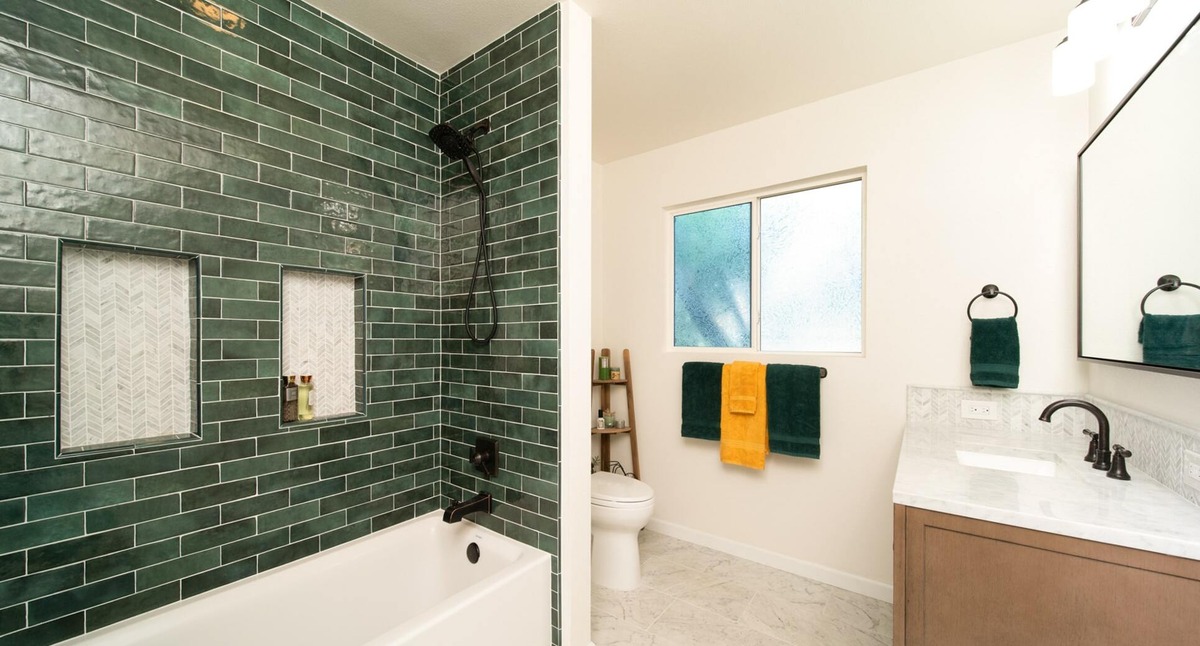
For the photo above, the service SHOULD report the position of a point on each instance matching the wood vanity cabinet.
(961, 581)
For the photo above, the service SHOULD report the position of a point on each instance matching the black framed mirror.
(1139, 222)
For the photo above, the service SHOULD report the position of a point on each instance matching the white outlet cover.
(1191, 469)
(980, 409)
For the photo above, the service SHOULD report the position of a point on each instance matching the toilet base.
(615, 561)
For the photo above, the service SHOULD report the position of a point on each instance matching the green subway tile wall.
(508, 389)
(256, 134)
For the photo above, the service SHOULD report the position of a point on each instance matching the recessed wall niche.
(128, 364)
(321, 336)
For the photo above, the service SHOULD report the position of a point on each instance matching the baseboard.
(836, 578)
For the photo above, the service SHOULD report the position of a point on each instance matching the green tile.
(81, 53)
(173, 40)
(202, 30)
(157, 530)
(169, 216)
(98, 11)
(145, 601)
(289, 67)
(71, 501)
(214, 78)
(41, 532)
(216, 536)
(136, 49)
(80, 598)
(133, 188)
(220, 121)
(70, 149)
(177, 130)
(220, 204)
(133, 94)
(217, 494)
(40, 169)
(50, 632)
(40, 13)
(254, 151)
(58, 554)
(72, 101)
(178, 568)
(256, 191)
(255, 73)
(137, 142)
(132, 234)
(12, 137)
(220, 162)
(131, 513)
(176, 481)
(41, 65)
(130, 560)
(236, 228)
(224, 575)
(131, 466)
(13, 84)
(171, 173)
(220, 451)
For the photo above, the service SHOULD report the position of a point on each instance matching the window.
(777, 272)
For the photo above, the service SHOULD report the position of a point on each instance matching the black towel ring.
(990, 291)
(1167, 283)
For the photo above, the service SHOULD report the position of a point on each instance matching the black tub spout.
(455, 512)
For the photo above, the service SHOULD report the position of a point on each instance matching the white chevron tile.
(318, 337)
(126, 347)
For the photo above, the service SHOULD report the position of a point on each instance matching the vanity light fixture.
(1092, 29)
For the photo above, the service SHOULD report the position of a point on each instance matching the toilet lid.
(610, 487)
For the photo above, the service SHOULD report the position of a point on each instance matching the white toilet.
(621, 507)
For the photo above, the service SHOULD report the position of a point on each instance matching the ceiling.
(669, 70)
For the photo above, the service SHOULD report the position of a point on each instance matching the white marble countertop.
(1066, 497)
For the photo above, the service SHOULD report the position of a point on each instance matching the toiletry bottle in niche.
(305, 411)
(291, 394)
(599, 418)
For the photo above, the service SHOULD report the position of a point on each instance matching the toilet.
(621, 507)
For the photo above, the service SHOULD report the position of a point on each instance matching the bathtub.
(410, 584)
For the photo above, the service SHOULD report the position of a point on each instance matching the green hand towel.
(794, 410)
(702, 400)
(1170, 340)
(995, 352)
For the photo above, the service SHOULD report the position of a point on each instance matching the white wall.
(970, 181)
(1168, 396)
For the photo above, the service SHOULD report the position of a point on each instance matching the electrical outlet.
(976, 409)
(1191, 469)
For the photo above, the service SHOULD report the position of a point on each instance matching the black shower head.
(455, 144)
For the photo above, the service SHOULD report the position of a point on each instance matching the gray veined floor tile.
(684, 625)
(693, 595)
(720, 596)
(639, 607)
(610, 631)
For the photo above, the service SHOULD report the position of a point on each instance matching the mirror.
(1139, 220)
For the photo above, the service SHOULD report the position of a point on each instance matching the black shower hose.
(481, 258)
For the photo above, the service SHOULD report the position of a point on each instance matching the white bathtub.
(409, 584)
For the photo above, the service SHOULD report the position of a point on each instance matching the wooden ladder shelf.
(606, 434)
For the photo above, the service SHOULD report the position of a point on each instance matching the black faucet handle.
(1093, 446)
(1117, 471)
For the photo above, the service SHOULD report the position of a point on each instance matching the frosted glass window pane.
(712, 278)
(811, 247)
(128, 358)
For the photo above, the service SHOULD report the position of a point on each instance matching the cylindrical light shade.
(1071, 70)
(1092, 27)
(1126, 9)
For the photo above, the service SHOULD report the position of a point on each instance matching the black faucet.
(1103, 452)
(455, 512)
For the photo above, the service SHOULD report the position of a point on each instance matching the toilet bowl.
(621, 507)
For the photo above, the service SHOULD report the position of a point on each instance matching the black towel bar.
(1167, 283)
(824, 373)
(990, 291)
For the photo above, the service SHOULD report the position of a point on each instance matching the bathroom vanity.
(1011, 538)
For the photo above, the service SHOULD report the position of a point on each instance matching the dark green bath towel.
(702, 400)
(794, 410)
(995, 352)
(1170, 340)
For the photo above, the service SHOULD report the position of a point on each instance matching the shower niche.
(322, 338)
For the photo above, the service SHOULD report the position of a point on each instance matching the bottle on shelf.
(304, 400)
(289, 411)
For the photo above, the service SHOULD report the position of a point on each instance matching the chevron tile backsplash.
(127, 363)
(319, 339)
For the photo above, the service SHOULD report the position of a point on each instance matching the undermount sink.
(1038, 463)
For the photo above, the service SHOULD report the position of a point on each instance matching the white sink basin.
(1036, 463)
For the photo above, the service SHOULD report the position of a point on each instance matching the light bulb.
(1071, 70)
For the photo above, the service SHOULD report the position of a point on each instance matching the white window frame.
(754, 198)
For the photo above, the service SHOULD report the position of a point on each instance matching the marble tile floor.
(693, 595)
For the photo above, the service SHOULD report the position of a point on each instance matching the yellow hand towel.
(743, 435)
